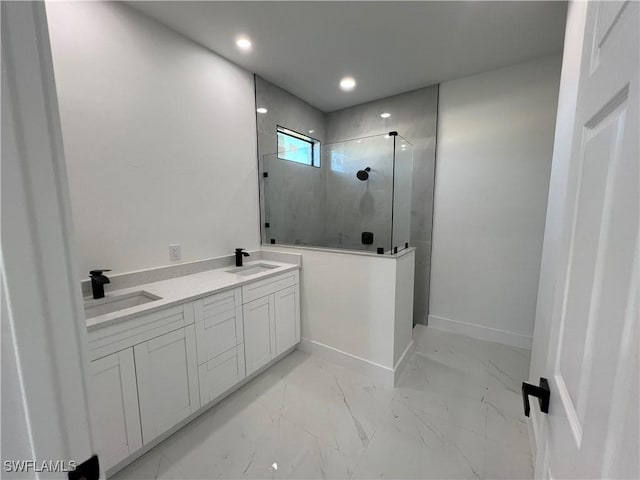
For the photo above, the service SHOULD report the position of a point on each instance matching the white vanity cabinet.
(166, 369)
(120, 381)
(114, 407)
(271, 318)
(153, 371)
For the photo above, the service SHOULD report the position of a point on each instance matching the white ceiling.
(389, 47)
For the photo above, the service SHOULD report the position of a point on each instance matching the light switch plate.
(175, 252)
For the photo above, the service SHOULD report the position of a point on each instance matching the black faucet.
(239, 254)
(98, 281)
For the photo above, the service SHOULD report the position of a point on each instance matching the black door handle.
(542, 392)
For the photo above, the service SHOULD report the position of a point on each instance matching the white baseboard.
(379, 373)
(402, 363)
(481, 332)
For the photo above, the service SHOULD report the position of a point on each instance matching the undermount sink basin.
(252, 269)
(114, 303)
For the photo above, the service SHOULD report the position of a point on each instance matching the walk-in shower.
(352, 195)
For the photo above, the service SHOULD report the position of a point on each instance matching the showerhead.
(363, 174)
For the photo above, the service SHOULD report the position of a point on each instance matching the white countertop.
(176, 291)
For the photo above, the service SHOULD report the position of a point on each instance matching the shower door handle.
(542, 392)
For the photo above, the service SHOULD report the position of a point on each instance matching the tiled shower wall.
(413, 116)
(299, 207)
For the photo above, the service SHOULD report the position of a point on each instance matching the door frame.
(46, 349)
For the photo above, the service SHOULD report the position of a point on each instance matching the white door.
(287, 318)
(114, 397)
(166, 369)
(259, 338)
(592, 427)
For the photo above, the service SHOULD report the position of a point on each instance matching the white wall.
(159, 137)
(494, 147)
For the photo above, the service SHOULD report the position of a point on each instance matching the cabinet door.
(259, 337)
(114, 407)
(167, 372)
(287, 318)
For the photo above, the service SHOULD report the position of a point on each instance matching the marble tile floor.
(456, 413)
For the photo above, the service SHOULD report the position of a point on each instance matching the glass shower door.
(402, 182)
(294, 202)
(359, 193)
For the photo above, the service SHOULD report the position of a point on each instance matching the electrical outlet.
(175, 252)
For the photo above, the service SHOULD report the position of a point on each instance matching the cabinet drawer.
(215, 336)
(116, 337)
(268, 286)
(218, 324)
(221, 373)
(216, 304)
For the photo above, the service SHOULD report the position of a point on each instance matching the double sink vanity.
(163, 352)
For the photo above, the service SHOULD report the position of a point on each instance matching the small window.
(299, 148)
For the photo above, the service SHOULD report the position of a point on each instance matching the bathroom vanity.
(175, 347)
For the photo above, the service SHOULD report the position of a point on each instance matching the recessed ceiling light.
(385, 115)
(243, 43)
(348, 83)
(261, 110)
(311, 131)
